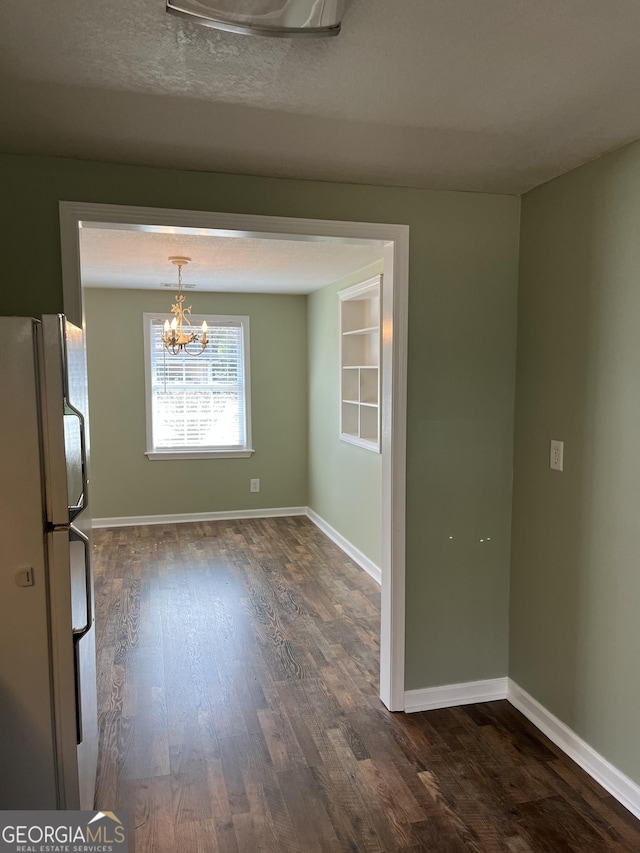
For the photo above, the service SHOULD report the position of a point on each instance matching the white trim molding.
(236, 514)
(620, 786)
(155, 455)
(349, 549)
(450, 695)
(181, 518)
(394, 240)
(393, 444)
(236, 323)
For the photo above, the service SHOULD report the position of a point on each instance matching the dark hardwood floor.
(238, 666)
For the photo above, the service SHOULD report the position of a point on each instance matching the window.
(198, 406)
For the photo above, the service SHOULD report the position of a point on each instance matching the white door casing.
(395, 242)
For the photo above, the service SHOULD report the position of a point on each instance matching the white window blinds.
(199, 402)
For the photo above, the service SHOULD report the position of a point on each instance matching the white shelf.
(360, 364)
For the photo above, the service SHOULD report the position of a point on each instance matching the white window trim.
(155, 454)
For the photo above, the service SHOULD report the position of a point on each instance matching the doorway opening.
(393, 241)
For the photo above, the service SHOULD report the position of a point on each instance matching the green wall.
(462, 304)
(125, 482)
(345, 481)
(575, 586)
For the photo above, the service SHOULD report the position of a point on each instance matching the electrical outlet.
(255, 485)
(556, 455)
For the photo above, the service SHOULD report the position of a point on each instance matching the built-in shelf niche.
(360, 364)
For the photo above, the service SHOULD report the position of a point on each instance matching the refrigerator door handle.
(74, 511)
(76, 535)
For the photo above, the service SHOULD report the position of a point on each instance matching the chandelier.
(178, 337)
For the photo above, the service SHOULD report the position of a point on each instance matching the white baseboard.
(179, 518)
(624, 789)
(350, 550)
(278, 512)
(450, 695)
(620, 786)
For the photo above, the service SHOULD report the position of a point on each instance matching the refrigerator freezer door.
(65, 410)
(75, 418)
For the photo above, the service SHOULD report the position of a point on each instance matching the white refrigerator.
(48, 714)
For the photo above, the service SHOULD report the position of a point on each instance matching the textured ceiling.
(498, 95)
(112, 257)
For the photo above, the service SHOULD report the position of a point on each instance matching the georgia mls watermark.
(63, 832)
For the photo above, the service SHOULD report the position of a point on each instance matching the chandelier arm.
(199, 352)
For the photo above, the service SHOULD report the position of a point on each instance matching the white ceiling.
(496, 95)
(123, 258)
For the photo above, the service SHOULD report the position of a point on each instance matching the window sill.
(240, 453)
